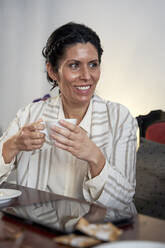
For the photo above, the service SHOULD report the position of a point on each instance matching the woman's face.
(78, 74)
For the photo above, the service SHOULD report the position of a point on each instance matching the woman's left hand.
(75, 140)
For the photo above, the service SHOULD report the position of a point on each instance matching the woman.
(93, 160)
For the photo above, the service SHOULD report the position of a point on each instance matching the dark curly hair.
(68, 34)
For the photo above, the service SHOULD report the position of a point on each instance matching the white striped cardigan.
(113, 129)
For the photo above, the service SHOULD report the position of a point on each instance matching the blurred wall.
(133, 38)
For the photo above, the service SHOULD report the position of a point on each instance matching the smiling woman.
(93, 159)
(77, 77)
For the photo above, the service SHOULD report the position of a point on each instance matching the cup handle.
(45, 130)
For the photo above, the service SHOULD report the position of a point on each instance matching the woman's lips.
(86, 87)
(84, 90)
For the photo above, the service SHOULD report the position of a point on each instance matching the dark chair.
(150, 179)
(156, 132)
(144, 121)
(150, 166)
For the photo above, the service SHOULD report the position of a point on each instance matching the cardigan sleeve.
(115, 186)
(20, 119)
(28, 114)
(6, 168)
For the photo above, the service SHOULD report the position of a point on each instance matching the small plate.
(132, 244)
(7, 194)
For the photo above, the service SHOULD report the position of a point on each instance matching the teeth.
(83, 87)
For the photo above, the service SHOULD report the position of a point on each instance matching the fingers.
(69, 131)
(62, 135)
(62, 146)
(32, 134)
(32, 130)
(73, 139)
(68, 139)
(72, 127)
(70, 136)
(27, 143)
(37, 141)
(38, 125)
(37, 135)
(30, 138)
(62, 139)
(36, 147)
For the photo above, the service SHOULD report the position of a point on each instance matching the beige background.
(133, 38)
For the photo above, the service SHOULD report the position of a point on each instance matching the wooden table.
(143, 227)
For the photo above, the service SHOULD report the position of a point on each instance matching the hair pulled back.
(68, 34)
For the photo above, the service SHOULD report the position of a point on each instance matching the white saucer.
(132, 244)
(7, 194)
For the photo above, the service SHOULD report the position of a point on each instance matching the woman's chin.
(83, 100)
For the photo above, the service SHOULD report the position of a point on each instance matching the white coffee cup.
(49, 124)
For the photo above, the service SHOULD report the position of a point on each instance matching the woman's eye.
(93, 64)
(74, 66)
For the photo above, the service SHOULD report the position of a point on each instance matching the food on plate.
(104, 232)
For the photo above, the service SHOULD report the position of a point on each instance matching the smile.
(83, 87)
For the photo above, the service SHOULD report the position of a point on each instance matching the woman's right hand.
(28, 138)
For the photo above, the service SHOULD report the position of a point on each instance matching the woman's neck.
(75, 112)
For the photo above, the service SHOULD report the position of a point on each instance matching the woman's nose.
(85, 73)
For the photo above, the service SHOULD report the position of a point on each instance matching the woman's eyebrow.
(73, 60)
(94, 60)
(76, 60)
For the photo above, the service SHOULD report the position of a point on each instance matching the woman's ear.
(51, 72)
